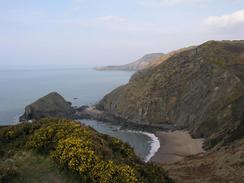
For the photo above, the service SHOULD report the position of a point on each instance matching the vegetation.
(56, 150)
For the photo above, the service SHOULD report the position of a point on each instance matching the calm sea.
(20, 87)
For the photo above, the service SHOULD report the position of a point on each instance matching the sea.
(81, 86)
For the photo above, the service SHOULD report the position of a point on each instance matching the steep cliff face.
(200, 89)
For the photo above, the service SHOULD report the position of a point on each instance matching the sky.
(88, 33)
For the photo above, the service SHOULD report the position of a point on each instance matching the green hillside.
(200, 90)
(55, 150)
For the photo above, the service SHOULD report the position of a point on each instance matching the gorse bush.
(94, 157)
(122, 149)
(79, 155)
(81, 150)
(76, 154)
(105, 172)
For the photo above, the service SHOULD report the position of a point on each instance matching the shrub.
(79, 156)
(108, 172)
(121, 149)
(94, 157)
(42, 140)
(76, 154)
(151, 173)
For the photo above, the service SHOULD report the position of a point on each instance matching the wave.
(154, 144)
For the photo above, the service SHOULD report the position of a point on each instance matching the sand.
(176, 145)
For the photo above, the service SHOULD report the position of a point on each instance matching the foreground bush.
(93, 157)
(79, 155)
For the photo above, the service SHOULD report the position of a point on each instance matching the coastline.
(91, 112)
(175, 145)
(166, 146)
(154, 144)
(150, 143)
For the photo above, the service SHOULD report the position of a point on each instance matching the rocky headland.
(147, 61)
(139, 64)
(200, 90)
(53, 105)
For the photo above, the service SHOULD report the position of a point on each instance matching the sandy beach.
(176, 145)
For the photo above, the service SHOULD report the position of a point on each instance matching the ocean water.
(20, 87)
(145, 144)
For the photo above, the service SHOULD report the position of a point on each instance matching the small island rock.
(51, 105)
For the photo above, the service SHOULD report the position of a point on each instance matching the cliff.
(199, 89)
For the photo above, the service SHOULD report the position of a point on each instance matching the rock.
(51, 105)
(200, 89)
(82, 108)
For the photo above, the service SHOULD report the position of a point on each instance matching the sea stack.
(51, 105)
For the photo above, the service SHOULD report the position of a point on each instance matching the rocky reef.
(200, 89)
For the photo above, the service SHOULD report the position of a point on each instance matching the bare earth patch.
(223, 165)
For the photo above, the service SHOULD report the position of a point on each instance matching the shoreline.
(166, 145)
(175, 146)
(154, 144)
(91, 112)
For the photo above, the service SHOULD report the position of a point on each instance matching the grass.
(35, 168)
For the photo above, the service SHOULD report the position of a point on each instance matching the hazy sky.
(101, 32)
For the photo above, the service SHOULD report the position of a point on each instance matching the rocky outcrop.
(199, 89)
(51, 105)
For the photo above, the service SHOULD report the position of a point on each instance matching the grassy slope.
(37, 168)
(55, 150)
